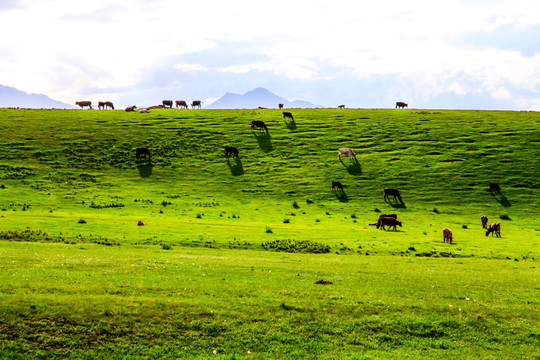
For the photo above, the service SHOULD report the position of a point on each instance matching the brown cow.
(83, 104)
(387, 221)
(447, 235)
(181, 103)
(288, 115)
(109, 105)
(401, 105)
(341, 106)
(346, 151)
(196, 103)
(280, 106)
(494, 228)
(258, 124)
(101, 105)
(131, 108)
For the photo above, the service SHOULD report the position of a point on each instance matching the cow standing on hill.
(484, 220)
(401, 105)
(336, 185)
(109, 105)
(494, 228)
(142, 152)
(392, 192)
(196, 104)
(288, 115)
(181, 103)
(259, 125)
(84, 104)
(447, 235)
(167, 103)
(280, 106)
(101, 105)
(231, 150)
(388, 221)
(346, 151)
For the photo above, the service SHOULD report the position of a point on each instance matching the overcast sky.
(454, 54)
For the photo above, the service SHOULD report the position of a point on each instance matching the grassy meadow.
(226, 263)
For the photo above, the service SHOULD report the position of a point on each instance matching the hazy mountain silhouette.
(11, 97)
(259, 97)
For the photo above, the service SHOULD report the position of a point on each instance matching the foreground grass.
(143, 301)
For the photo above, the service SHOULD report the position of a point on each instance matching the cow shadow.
(340, 195)
(354, 167)
(395, 203)
(235, 166)
(145, 170)
(264, 140)
(291, 124)
(501, 199)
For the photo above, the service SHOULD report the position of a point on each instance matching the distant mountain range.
(259, 97)
(11, 97)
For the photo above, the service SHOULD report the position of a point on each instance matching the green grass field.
(202, 278)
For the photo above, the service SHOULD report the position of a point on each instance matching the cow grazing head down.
(447, 236)
(494, 228)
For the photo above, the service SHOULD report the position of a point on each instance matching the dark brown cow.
(337, 185)
(484, 220)
(167, 103)
(84, 104)
(391, 192)
(231, 150)
(259, 125)
(101, 105)
(280, 106)
(131, 108)
(494, 228)
(447, 235)
(288, 115)
(109, 105)
(401, 105)
(142, 152)
(196, 103)
(181, 103)
(388, 221)
(494, 188)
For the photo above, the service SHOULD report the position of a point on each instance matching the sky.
(456, 54)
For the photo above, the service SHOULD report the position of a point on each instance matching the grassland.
(201, 278)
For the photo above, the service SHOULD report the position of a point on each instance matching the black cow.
(167, 103)
(391, 192)
(196, 103)
(231, 150)
(401, 105)
(258, 124)
(337, 185)
(142, 152)
(288, 115)
(494, 188)
(280, 106)
(101, 105)
(484, 220)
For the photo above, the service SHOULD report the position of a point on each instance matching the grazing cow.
(341, 106)
(388, 221)
(288, 115)
(109, 105)
(101, 105)
(167, 103)
(484, 221)
(182, 103)
(83, 104)
(156, 107)
(447, 235)
(346, 151)
(144, 111)
(258, 124)
(142, 152)
(494, 188)
(337, 185)
(196, 103)
(401, 105)
(131, 108)
(231, 150)
(280, 106)
(494, 228)
(391, 192)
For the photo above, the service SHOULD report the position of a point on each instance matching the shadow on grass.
(395, 203)
(340, 195)
(501, 199)
(264, 140)
(291, 124)
(235, 166)
(145, 170)
(354, 167)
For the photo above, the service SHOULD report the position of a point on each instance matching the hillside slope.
(64, 166)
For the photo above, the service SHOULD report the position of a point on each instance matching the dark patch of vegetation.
(505, 217)
(295, 246)
(106, 205)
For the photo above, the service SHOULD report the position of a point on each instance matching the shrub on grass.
(294, 246)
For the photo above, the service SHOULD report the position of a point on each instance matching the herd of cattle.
(385, 220)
